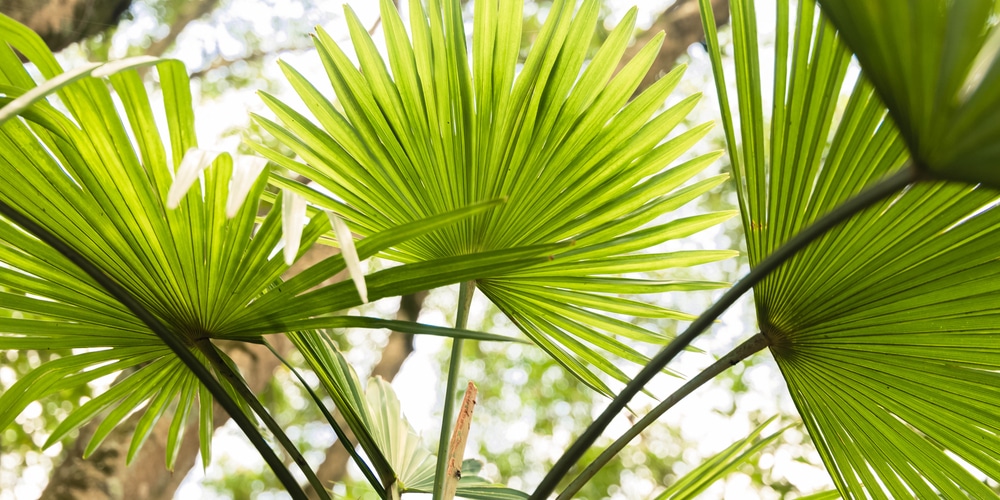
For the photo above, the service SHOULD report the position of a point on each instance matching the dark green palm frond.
(425, 130)
(936, 64)
(885, 328)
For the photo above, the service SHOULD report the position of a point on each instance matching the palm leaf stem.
(227, 372)
(746, 349)
(888, 186)
(337, 429)
(175, 343)
(465, 292)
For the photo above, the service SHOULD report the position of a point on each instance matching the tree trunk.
(63, 22)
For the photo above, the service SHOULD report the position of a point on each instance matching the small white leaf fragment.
(246, 170)
(350, 253)
(195, 160)
(293, 210)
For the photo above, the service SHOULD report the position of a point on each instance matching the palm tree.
(555, 173)
(884, 328)
(870, 226)
(574, 159)
(143, 288)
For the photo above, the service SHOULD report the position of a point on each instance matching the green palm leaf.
(97, 176)
(935, 64)
(59, 169)
(720, 465)
(424, 131)
(885, 327)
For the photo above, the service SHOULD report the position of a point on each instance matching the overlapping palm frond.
(71, 175)
(577, 162)
(97, 176)
(936, 65)
(885, 328)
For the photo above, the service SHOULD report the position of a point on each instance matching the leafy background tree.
(224, 79)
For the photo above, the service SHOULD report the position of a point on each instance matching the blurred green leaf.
(373, 414)
(720, 465)
(935, 65)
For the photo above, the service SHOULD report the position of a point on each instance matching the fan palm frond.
(96, 173)
(429, 128)
(885, 327)
(936, 65)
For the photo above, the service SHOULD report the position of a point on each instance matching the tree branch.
(681, 25)
(189, 12)
(61, 23)
(254, 56)
(260, 54)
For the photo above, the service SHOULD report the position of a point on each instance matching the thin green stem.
(741, 352)
(465, 292)
(240, 385)
(878, 192)
(168, 337)
(337, 429)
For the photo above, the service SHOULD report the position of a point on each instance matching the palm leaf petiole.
(745, 350)
(225, 370)
(337, 428)
(465, 292)
(172, 341)
(879, 191)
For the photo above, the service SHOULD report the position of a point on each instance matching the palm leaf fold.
(936, 65)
